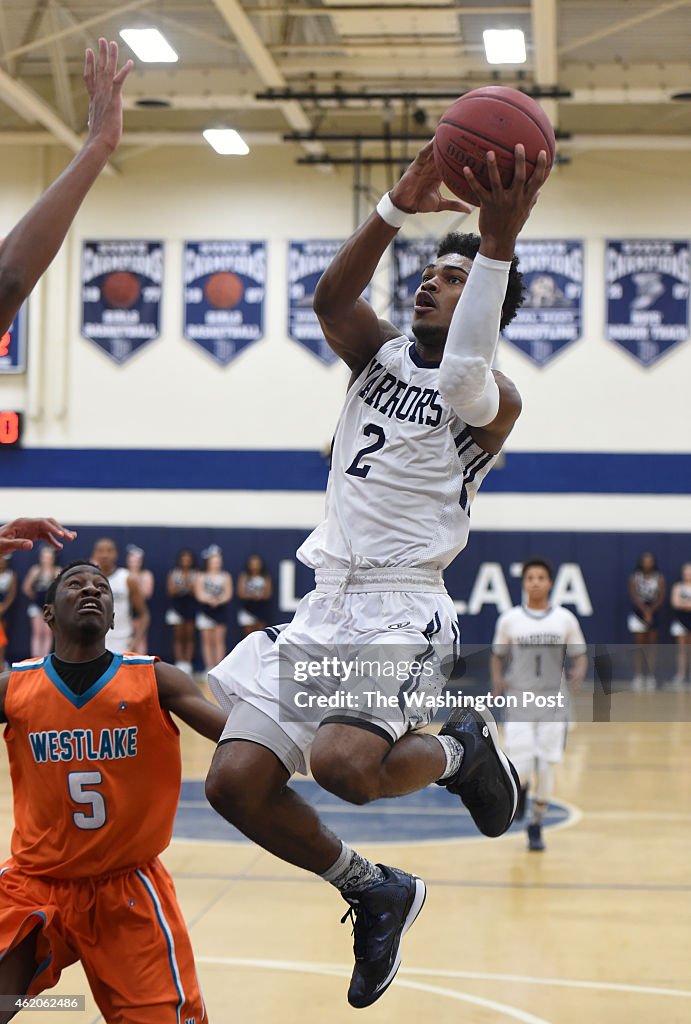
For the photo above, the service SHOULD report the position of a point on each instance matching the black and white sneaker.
(486, 782)
(381, 916)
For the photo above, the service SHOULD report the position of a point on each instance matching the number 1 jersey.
(404, 471)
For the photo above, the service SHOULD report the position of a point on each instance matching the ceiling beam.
(242, 28)
(61, 79)
(33, 109)
(545, 61)
(150, 139)
(637, 19)
(73, 29)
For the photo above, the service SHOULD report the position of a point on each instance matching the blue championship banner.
(307, 261)
(410, 257)
(13, 345)
(551, 316)
(121, 295)
(225, 285)
(647, 296)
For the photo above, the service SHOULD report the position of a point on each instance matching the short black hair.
(538, 563)
(53, 588)
(466, 244)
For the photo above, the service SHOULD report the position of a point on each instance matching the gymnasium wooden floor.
(597, 929)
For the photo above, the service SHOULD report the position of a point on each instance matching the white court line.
(639, 816)
(341, 971)
(433, 972)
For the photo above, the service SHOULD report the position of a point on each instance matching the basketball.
(121, 289)
(224, 290)
(492, 118)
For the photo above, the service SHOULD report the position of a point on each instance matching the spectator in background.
(35, 587)
(183, 607)
(127, 598)
(647, 589)
(144, 578)
(213, 589)
(8, 592)
(681, 624)
(255, 590)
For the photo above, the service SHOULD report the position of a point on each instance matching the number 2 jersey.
(96, 777)
(404, 471)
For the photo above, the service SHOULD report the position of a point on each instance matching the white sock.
(352, 872)
(453, 751)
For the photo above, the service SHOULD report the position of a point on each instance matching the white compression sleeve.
(466, 381)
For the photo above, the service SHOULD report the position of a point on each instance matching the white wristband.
(390, 213)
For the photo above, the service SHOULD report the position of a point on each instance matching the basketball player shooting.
(421, 427)
(32, 245)
(95, 764)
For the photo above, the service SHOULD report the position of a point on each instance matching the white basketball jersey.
(537, 643)
(119, 638)
(404, 471)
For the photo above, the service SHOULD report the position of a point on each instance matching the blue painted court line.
(430, 814)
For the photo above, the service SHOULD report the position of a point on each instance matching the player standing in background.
(127, 597)
(95, 766)
(531, 644)
(421, 426)
(32, 245)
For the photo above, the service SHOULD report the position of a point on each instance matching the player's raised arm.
(31, 246)
(349, 323)
(178, 694)
(483, 399)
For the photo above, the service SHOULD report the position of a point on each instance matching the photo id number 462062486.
(46, 1002)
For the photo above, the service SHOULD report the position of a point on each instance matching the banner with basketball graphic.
(307, 261)
(13, 345)
(121, 295)
(225, 285)
(647, 296)
(551, 316)
(410, 257)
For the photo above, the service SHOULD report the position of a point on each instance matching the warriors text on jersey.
(404, 471)
(537, 643)
(96, 777)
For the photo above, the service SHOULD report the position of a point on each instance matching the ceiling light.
(226, 141)
(149, 45)
(504, 46)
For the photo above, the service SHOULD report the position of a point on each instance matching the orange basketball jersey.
(96, 777)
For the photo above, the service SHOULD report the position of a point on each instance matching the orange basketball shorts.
(127, 930)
